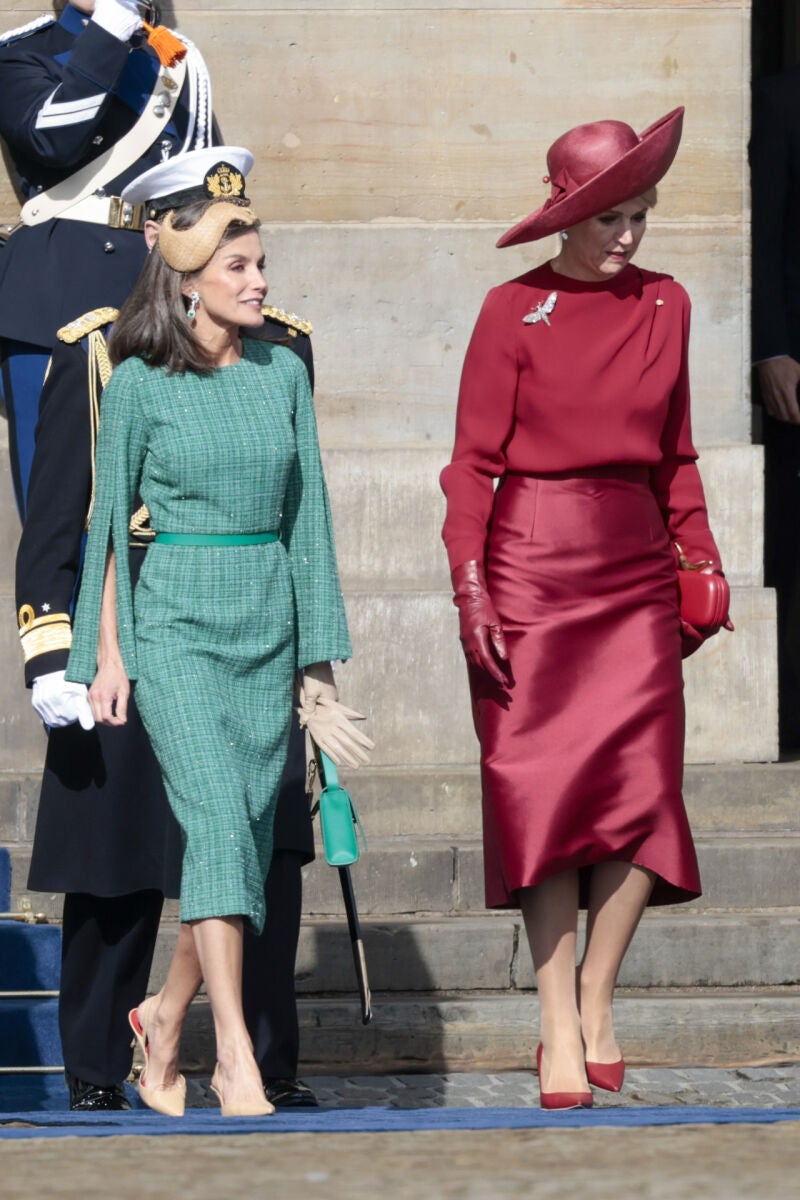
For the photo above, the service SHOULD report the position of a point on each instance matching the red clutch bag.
(704, 596)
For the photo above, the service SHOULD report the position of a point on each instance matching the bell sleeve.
(307, 533)
(121, 445)
(484, 425)
(676, 480)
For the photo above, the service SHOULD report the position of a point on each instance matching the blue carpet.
(30, 1034)
(30, 957)
(375, 1120)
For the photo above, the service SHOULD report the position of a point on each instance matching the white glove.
(120, 18)
(59, 703)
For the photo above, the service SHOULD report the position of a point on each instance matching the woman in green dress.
(240, 589)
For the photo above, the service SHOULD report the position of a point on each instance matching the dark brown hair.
(152, 322)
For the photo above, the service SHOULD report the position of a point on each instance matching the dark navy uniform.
(775, 171)
(105, 835)
(68, 92)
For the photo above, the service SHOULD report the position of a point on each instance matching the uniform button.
(97, 141)
(100, 191)
(109, 248)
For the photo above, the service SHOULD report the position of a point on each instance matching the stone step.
(408, 671)
(704, 1027)
(433, 876)
(441, 801)
(388, 511)
(445, 801)
(671, 949)
(408, 676)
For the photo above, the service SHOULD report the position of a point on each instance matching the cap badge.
(541, 311)
(223, 181)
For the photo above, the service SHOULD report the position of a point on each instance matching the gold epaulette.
(293, 323)
(39, 635)
(86, 324)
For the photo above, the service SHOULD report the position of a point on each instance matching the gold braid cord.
(99, 375)
(139, 527)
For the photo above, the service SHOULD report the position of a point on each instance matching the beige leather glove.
(329, 722)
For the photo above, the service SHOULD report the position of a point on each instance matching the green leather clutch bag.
(338, 818)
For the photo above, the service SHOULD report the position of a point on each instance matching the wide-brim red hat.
(593, 167)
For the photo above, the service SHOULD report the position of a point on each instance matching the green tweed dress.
(215, 633)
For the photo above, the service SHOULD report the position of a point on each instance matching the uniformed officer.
(85, 107)
(775, 173)
(105, 835)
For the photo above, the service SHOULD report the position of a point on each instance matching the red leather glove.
(692, 639)
(481, 631)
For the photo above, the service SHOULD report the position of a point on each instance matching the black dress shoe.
(96, 1097)
(290, 1093)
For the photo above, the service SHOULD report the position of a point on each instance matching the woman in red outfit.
(575, 397)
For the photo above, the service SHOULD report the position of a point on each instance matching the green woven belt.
(215, 539)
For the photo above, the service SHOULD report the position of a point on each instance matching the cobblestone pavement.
(735, 1087)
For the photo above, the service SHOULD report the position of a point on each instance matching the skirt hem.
(665, 892)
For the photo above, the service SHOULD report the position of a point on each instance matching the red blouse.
(605, 383)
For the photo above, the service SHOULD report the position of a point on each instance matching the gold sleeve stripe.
(28, 621)
(45, 639)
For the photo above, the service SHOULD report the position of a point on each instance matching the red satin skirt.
(582, 750)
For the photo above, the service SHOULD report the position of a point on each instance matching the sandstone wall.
(394, 143)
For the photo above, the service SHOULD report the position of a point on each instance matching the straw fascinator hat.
(593, 167)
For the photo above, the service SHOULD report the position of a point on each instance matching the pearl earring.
(564, 235)
(194, 300)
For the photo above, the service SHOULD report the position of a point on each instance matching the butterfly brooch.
(542, 311)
